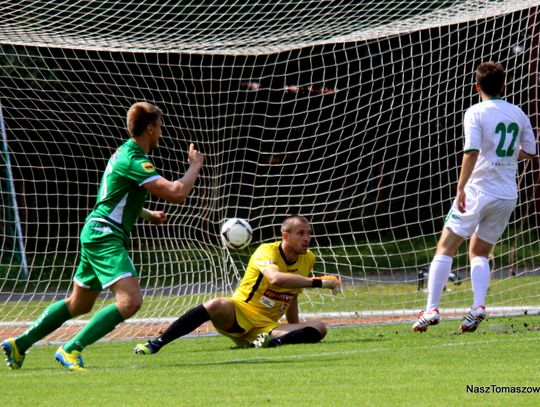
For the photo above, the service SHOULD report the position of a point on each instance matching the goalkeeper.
(276, 273)
(105, 262)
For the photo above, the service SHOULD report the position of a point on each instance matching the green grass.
(385, 365)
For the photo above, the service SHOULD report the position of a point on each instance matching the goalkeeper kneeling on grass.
(276, 273)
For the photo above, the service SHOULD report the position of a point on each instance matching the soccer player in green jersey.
(275, 276)
(105, 262)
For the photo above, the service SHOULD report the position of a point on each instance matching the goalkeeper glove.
(328, 281)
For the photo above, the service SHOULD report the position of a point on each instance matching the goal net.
(347, 112)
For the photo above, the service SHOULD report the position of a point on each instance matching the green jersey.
(121, 195)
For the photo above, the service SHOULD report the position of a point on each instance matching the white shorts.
(485, 215)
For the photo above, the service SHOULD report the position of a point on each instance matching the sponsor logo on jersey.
(283, 297)
(267, 302)
(148, 167)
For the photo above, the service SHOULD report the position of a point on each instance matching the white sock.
(439, 270)
(480, 275)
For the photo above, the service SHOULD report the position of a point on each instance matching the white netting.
(348, 112)
(246, 27)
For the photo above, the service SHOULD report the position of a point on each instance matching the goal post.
(346, 112)
(13, 256)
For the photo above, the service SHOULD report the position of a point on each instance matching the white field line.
(452, 312)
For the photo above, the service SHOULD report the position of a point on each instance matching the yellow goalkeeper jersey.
(258, 294)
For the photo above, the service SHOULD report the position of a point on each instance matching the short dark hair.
(289, 223)
(140, 115)
(490, 77)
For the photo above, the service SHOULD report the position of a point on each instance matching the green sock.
(50, 320)
(103, 322)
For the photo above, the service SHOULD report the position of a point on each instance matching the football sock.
(49, 320)
(103, 322)
(439, 271)
(182, 326)
(480, 275)
(303, 335)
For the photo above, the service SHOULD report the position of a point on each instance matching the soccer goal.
(347, 112)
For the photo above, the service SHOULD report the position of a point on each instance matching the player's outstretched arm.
(177, 191)
(328, 281)
(288, 280)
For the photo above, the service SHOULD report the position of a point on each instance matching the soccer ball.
(236, 233)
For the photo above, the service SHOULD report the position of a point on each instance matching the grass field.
(383, 365)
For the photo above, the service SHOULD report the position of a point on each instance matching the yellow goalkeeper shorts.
(251, 321)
